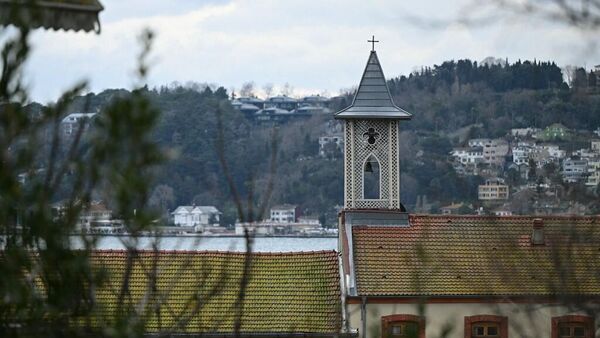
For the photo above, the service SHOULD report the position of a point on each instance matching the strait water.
(260, 244)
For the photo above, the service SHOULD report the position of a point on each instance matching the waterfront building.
(284, 213)
(193, 216)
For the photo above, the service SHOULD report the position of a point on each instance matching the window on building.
(371, 179)
(483, 326)
(485, 330)
(401, 326)
(403, 329)
(573, 326)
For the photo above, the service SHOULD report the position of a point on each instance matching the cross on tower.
(371, 135)
(372, 41)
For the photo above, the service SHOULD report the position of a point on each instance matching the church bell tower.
(371, 134)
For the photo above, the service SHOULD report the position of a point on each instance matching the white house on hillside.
(331, 141)
(72, 122)
(521, 154)
(574, 170)
(472, 155)
(285, 213)
(193, 216)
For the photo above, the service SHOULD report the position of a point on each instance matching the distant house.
(452, 209)
(315, 101)
(555, 131)
(273, 114)
(495, 151)
(98, 218)
(554, 151)
(255, 228)
(196, 216)
(314, 104)
(585, 153)
(309, 220)
(478, 142)
(247, 109)
(545, 153)
(281, 224)
(72, 122)
(595, 146)
(285, 213)
(574, 170)
(524, 132)
(282, 102)
(311, 110)
(252, 101)
(522, 169)
(472, 155)
(503, 210)
(593, 178)
(327, 143)
(493, 189)
(521, 154)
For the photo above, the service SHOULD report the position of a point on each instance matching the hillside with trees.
(450, 103)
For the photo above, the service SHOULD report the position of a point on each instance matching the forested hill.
(450, 103)
(498, 77)
(522, 94)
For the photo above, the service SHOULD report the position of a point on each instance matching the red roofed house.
(445, 275)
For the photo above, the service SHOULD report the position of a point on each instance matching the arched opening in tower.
(371, 179)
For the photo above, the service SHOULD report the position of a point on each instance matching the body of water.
(261, 244)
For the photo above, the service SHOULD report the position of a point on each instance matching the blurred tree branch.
(581, 14)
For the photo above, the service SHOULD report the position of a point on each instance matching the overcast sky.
(315, 46)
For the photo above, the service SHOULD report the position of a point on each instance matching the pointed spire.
(373, 99)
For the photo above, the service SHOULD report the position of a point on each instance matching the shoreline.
(200, 235)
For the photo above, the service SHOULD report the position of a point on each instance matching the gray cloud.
(315, 46)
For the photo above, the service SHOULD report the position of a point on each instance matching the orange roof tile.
(478, 256)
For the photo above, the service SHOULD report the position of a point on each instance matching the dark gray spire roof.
(373, 99)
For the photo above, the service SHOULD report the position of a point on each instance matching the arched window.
(572, 326)
(402, 326)
(371, 178)
(484, 326)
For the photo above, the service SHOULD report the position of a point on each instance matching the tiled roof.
(373, 99)
(56, 14)
(283, 207)
(287, 292)
(478, 256)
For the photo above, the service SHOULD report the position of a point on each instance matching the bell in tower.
(371, 133)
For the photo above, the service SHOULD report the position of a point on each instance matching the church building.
(411, 275)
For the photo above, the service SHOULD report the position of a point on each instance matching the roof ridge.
(221, 252)
(523, 217)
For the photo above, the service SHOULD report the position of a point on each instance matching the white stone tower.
(371, 156)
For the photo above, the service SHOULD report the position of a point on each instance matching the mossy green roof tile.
(286, 292)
